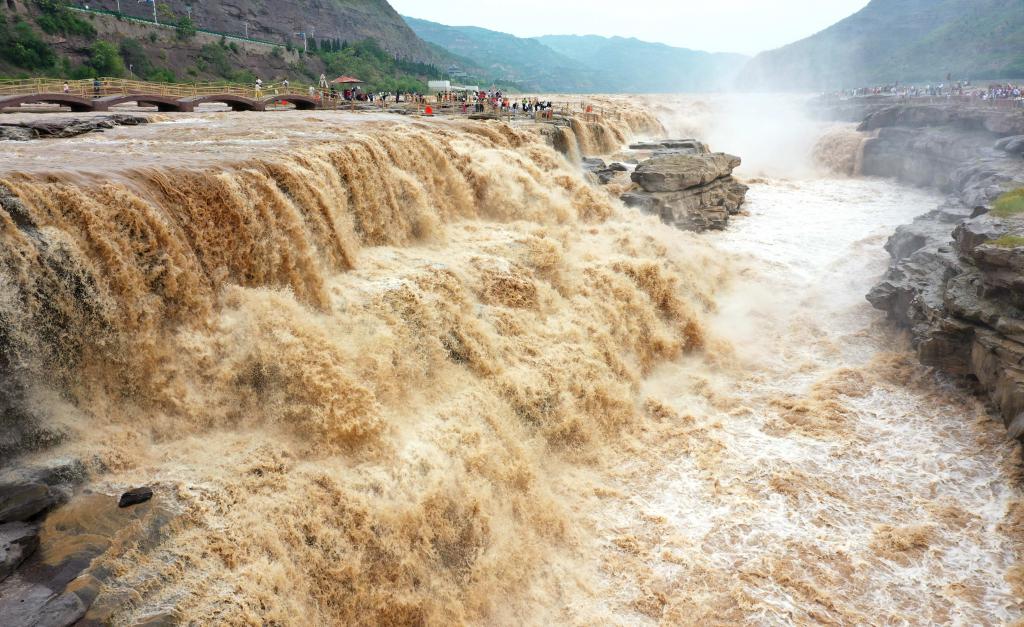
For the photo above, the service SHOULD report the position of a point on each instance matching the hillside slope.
(905, 40)
(632, 65)
(282, 20)
(526, 62)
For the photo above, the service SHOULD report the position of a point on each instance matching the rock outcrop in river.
(957, 280)
(66, 127)
(687, 185)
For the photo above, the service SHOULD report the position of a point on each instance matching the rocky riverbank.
(957, 278)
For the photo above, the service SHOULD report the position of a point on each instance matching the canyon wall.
(958, 272)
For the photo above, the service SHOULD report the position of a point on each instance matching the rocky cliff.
(957, 279)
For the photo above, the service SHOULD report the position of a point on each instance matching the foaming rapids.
(364, 376)
(406, 373)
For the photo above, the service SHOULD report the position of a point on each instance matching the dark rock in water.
(21, 502)
(135, 497)
(17, 541)
(618, 167)
(592, 164)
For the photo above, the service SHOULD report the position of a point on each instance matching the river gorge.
(392, 370)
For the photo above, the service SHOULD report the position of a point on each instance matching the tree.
(311, 44)
(105, 59)
(186, 29)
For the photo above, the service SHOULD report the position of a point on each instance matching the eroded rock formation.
(687, 185)
(957, 279)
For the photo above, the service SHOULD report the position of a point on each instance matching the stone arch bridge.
(81, 96)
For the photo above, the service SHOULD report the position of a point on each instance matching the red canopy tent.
(346, 80)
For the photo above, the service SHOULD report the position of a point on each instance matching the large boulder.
(680, 171)
(694, 191)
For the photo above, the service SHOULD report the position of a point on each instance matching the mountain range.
(901, 40)
(584, 63)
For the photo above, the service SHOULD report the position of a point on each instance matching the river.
(407, 372)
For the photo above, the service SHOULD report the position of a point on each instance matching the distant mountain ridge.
(525, 62)
(584, 63)
(633, 65)
(900, 40)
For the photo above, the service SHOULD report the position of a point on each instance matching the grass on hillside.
(1009, 204)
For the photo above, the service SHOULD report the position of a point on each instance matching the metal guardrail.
(142, 20)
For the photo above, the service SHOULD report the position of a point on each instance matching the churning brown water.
(398, 373)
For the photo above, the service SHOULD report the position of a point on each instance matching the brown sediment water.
(397, 372)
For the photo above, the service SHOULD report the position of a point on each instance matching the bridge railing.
(128, 87)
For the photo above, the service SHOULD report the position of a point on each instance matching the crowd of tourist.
(950, 89)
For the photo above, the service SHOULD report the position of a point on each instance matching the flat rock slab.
(679, 172)
(21, 502)
(691, 146)
(17, 541)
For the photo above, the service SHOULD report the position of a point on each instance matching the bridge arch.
(301, 102)
(237, 103)
(162, 103)
(76, 103)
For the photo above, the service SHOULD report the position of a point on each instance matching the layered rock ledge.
(957, 278)
(66, 127)
(687, 186)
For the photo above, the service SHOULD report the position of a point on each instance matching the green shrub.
(105, 59)
(1009, 241)
(185, 29)
(1009, 204)
(136, 57)
(55, 19)
(161, 75)
(21, 46)
(215, 59)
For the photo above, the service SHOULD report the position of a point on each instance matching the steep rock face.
(687, 186)
(957, 279)
(279, 21)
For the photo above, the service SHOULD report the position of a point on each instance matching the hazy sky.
(746, 26)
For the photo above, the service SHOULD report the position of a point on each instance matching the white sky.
(746, 26)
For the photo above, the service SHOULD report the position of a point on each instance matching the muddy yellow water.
(392, 371)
